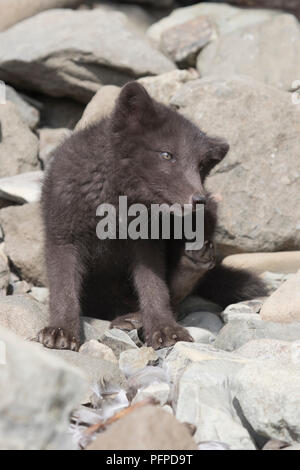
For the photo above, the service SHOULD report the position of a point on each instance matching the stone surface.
(86, 45)
(204, 399)
(283, 352)
(204, 320)
(29, 114)
(274, 280)
(94, 328)
(200, 335)
(238, 332)
(133, 360)
(242, 310)
(280, 262)
(118, 341)
(13, 11)
(145, 378)
(270, 399)
(263, 129)
(18, 145)
(41, 294)
(49, 140)
(24, 241)
(146, 428)
(284, 304)
(22, 188)
(288, 5)
(183, 42)
(37, 394)
(22, 315)
(268, 52)
(158, 392)
(99, 107)
(95, 349)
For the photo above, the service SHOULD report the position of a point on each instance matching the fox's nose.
(198, 199)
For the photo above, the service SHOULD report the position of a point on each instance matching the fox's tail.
(224, 286)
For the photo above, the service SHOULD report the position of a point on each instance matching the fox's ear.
(133, 106)
(217, 150)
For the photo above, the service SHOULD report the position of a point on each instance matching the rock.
(23, 231)
(22, 315)
(13, 11)
(22, 188)
(158, 392)
(270, 399)
(183, 42)
(212, 445)
(49, 140)
(4, 271)
(29, 114)
(146, 428)
(20, 288)
(256, 56)
(133, 360)
(37, 394)
(274, 444)
(254, 164)
(41, 294)
(293, 447)
(280, 262)
(284, 304)
(86, 63)
(225, 18)
(242, 310)
(99, 107)
(289, 5)
(18, 145)
(97, 371)
(118, 341)
(204, 320)
(95, 349)
(93, 329)
(204, 399)
(145, 378)
(200, 335)
(283, 352)
(238, 332)
(274, 280)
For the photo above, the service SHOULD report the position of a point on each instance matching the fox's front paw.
(58, 338)
(164, 336)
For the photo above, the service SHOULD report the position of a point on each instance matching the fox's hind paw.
(58, 338)
(167, 335)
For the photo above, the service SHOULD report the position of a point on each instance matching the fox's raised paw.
(167, 335)
(58, 338)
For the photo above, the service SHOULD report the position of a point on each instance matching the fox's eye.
(166, 155)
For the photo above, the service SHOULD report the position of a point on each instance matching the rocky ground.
(232, 71)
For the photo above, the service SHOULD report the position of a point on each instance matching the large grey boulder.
(18, 145)
(13, 11)
(269, 52)
(260, 174)
(37, 394)
(72, 53)
(23, 232)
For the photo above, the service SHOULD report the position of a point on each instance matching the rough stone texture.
(283, 352)
(41, 294)
(268, 52)
(94, 328)
(225, 17)
(24, 241)
(289, 5)
(95, 349)
(242, 310)
(200, 335)
(22, 188)
(49, 140)
(158, 392)
(280, 262)
(262, 127)
(29, 114)
(13, 11)
(99, 107)
(22, 315)
(72, 53)
(238, 332)
(18, 145)
(133, 360)
(4, 271)
(204, 320)
(118, 341)
(183, 42)
(146, 428)
(204, 399)
(37, 394)
(284, 304)
(270, 399)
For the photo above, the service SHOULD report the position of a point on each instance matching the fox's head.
(163, 156)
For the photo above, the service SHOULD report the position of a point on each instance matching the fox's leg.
(64, 276)
(159, 325)
(190, 269)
